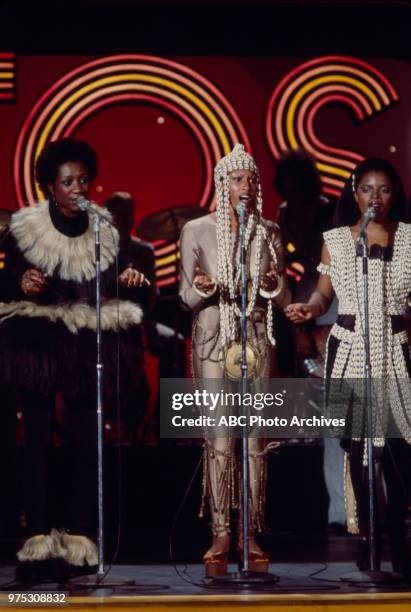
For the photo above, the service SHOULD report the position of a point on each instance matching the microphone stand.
(101, 579)
(244, 578)
(374, 575)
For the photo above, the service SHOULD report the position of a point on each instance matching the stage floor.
(309, 568)
(160, 587)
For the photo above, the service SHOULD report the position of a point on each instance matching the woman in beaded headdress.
(374, 184)
(210, 288)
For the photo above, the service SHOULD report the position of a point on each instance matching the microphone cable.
(146, 587)
(184, 575)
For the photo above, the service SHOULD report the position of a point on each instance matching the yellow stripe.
(6, 75)
(333, 170)
(166, 260)
(124, 78)
(336, 78)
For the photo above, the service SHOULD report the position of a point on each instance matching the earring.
(353, 182)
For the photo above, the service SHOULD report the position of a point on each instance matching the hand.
(269, 280)
(133, 278)
(203, 282)
(33, 282)
(299, 313)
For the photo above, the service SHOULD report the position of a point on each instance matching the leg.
(360, 486)
(80, 550)
(257, 461)
(397, 455)
(219, 470)
(38, 421)
(334, 478)
(219, 488)
(8, 462)
(83, 424)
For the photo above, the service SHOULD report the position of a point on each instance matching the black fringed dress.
(48, 346)
(48, 342)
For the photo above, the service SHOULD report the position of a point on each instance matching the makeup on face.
(71, 182)
(375, 190)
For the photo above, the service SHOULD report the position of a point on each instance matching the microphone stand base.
(371, 577)
(243, 579)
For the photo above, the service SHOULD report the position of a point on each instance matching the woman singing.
(47, 340)
(210, 288)
(374, 184)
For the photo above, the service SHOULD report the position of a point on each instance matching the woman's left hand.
(133, 278)
(269, 280)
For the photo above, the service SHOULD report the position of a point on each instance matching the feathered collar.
(47, 249)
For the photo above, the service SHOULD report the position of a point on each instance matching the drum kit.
(167, 224)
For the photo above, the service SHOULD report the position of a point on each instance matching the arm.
(274, 283)
(146, 296)
(19, 280)
(195, 286)
(150, 271)
(9, 286)
(320, 299)
(136, 264)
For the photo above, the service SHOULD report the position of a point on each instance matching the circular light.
(160, 120)
(99, 189)
(392, 149)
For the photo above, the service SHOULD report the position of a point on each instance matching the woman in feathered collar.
(47, 339)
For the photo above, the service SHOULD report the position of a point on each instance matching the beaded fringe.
(349, 498)
(222, 487)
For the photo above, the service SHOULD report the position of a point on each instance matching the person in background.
(303, 217)
(9, 405)
(5, 216)
(134, 253)
(137, 254)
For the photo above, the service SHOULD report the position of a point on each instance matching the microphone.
(84, 204)
(369, 216)
(241, 208)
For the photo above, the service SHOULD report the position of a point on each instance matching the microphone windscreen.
(82, 203)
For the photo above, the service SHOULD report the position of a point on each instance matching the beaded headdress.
(238, 159)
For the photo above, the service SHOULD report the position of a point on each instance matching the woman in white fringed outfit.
(374, 183)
